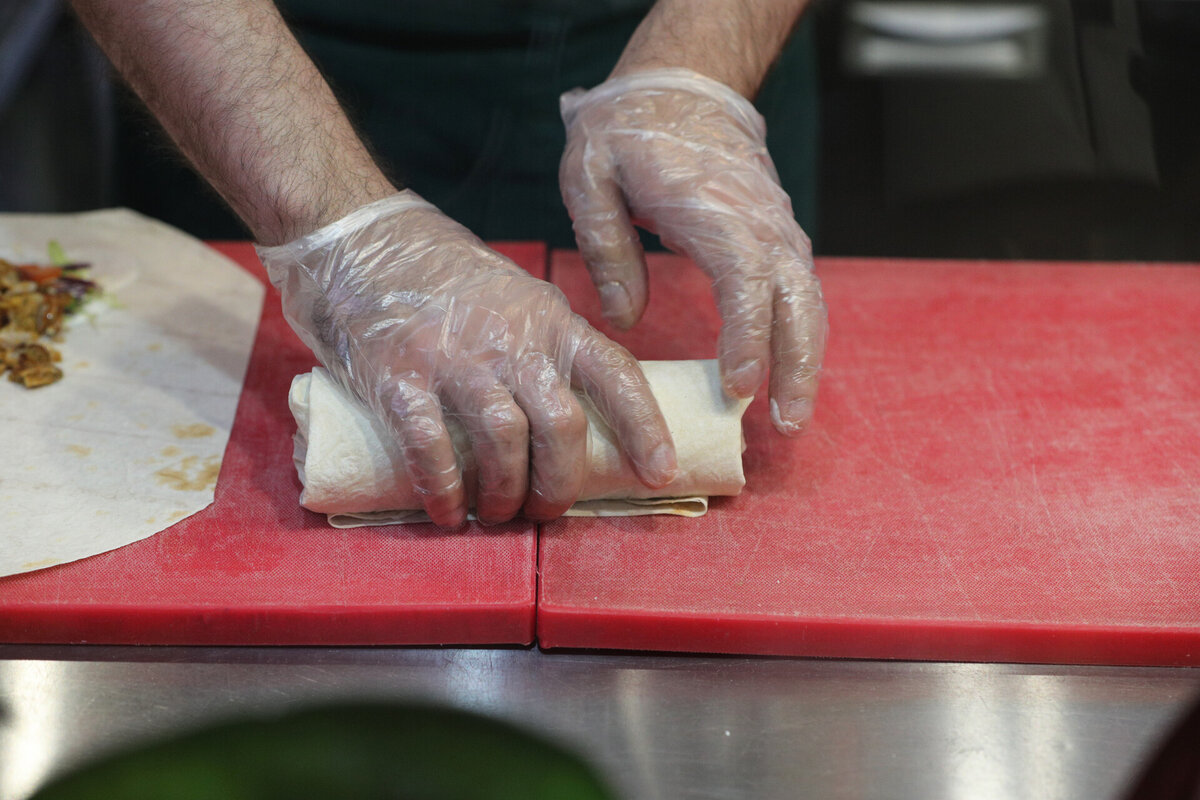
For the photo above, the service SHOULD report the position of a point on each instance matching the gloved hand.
(422, 321)
(685, 157)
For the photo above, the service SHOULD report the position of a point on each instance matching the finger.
(499, 439)
(557, 446)
(613, 381)
(742, 287)
(429, 458)
(732, 253)
(797, 348)
(606, 237)
(743, 346)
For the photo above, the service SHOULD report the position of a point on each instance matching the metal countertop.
(657, 726)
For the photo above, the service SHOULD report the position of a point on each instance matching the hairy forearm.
(732, 41)
(240, 98)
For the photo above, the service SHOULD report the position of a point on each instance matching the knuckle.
(502, 425)
(743, 295)
(564, 426)
(749, 327)
(536, 369)
(550, 296)
(423, 436)
(611, 357)
(794, 347)
(803, 299)
(405, 400)
(797, 275)
(499, 482)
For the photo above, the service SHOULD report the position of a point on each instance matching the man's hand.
(684, 156)
(424, 323)
(668, 145)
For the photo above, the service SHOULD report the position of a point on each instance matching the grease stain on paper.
(192, 474)
(197, 430)
(79, 450)
(47, 562)
(170, 451)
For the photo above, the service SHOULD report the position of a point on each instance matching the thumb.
(607, 240)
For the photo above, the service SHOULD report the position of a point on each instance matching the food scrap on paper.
(35, 299)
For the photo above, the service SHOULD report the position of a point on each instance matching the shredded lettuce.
(58, 256)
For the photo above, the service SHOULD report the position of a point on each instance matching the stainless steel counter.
(658, 726)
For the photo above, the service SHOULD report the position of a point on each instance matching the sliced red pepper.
(39, 274)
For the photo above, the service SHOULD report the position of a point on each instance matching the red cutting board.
(254, 568)
(1004, 466)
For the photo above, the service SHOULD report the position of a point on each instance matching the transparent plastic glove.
(425, 324)
(685, 157)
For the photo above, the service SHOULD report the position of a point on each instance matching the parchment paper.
(130, 441)
(354, 472)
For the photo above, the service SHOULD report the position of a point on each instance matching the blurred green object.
(362, 751)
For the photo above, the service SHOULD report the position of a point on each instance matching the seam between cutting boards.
(548, 272)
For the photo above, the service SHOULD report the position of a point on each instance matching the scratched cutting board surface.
(1004, 465)
(255, 568)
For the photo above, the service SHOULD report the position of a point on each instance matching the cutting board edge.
(481, 624)
(899, 639)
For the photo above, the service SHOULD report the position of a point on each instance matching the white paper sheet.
(130, 441)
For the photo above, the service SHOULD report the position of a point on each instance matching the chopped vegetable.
(35, 299)
(39, 274)
(58, 256)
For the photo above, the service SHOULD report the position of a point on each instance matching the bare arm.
(731, 41)
(239, 96)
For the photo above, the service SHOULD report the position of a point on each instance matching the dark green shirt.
(459, 101)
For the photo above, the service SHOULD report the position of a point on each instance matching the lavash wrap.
(353, 471)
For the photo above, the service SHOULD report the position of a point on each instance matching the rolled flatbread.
(353, 471)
